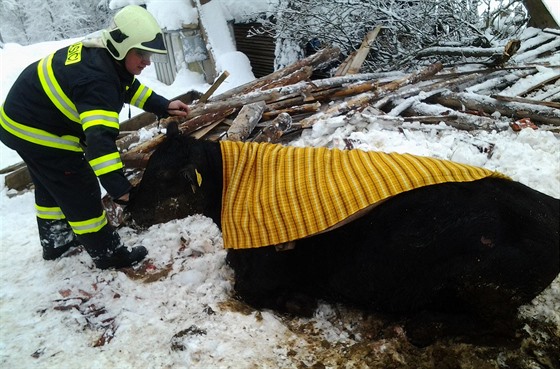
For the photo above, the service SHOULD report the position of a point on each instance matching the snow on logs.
(288, 100)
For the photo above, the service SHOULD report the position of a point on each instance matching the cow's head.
(172, 181)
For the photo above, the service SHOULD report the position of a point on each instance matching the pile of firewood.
(515, 83)
(289, 100)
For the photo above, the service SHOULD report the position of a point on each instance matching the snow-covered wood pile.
(508, 87)
(513, 86)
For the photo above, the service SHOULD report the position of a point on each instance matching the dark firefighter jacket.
(70, 100)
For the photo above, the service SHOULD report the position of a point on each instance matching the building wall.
(259, 49)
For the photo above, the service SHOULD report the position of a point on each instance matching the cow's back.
(485, 247)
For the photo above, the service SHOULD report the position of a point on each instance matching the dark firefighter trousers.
(65, 180)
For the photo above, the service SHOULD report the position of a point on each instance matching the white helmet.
(133, 27)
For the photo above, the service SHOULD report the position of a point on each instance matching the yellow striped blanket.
(274, 194)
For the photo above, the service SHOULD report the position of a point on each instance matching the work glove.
(128, 198)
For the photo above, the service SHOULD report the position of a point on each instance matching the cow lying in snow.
(474, 248)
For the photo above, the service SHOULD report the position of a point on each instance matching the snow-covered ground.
(67, 314)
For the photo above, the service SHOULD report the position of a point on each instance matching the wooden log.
(124, 143)
(325, 89)
(334, 88)
(291, 98)
(291, 110)
(18, 179)
(396, 121)
(550, 104)
(322, 57)
(534, 38)
(352, 84)
(199, 133)
(136, 159)
(146, 120)
(196, 123)
(295, 77)
(275, 130)
(432, 119)
(343, 67)
(329, 89)
(11, 168)
(428, 88)
(142, 148)
(363, 51)
(546, 48)
(354, 61)
(130, 158)
(404, 103)
(516, 110)
(498, 80)
(214, 87)
(239, 101)
(363, 99)
(459, 51)
(462, 121)
(552, 94)
(293, 95)
(245, 122)
(509, 50)
(526, 85)
(135, 123)
(553, 31)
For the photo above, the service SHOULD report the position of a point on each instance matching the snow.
(530, 56)
(222, 47)
(243, 11)
(53, 312)
(171, 14)
(519, 88)
(174, 13)
(554, 9)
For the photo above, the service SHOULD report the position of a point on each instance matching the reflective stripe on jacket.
(38, 136)
(70, 100)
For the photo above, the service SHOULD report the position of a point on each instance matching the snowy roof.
(173, 14)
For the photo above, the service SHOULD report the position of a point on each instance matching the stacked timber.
(509, 81)
(518, 83)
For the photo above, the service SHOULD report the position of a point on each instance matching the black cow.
(475, 250)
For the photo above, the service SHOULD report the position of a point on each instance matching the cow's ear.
(193, 176)
(172, 129)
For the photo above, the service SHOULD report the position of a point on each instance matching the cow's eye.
(192, 175)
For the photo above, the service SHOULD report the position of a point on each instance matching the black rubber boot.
(121, 257)
(107, 251)
(56, 237)
(52, 253)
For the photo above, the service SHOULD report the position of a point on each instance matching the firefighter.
(62, 117)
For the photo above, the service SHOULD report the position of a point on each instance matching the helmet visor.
(155, 45)
(143, 54)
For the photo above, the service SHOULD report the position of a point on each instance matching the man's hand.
(123, 200)
(177, 107)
